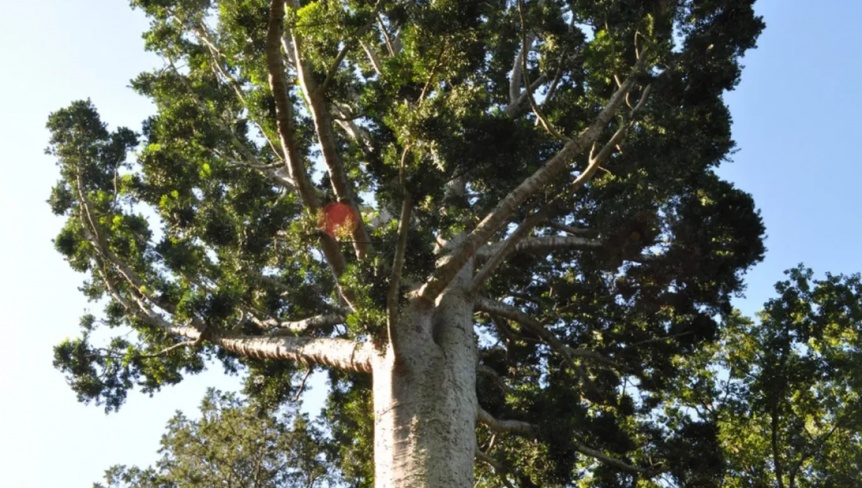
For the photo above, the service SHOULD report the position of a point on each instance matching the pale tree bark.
(425, 403)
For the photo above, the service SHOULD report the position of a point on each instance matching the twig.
(301, 389)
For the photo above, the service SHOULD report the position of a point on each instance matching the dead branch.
(612, 461)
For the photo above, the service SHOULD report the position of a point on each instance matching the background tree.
(543, 240)
(793, 387)
(235, 443)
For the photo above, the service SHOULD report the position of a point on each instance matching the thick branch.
(494, 221)
(516, 77)
(516, 241)
(392, 294)
(319, 351)
(542, 244)
(510, 426)
(323, 127)
(284, 121)
(776, 445)
(204, 35)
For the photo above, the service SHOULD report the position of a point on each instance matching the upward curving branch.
(287, 136)
(323, 127)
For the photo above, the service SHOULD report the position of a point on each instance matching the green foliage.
(793, 412)
(203, 225)
(234, 443)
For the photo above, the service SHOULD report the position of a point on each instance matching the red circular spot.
(338, 219)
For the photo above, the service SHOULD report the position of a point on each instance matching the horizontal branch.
(611, 461)
(502, 250)
(544, 244)
(319, 351)
(575, 231)
(299, 326)
(343, 354)
(510, 426)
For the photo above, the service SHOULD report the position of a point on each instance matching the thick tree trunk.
(425, 397)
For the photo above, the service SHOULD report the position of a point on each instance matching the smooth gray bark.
(425, 403)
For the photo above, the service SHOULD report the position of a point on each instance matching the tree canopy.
(543, 249)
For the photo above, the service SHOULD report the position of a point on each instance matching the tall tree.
(541, 238)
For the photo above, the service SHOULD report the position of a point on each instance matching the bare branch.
(343, 354)
(339, 353)
(516, 77)
(301, 388)
(167, 350)
(511, 426)
(515, 109)
(524, 50)
(612, 461)
(372, 57)
(499, 469)
(575, 231)
(544, 244)
(496, 378)
(499, 254)
(451, 264)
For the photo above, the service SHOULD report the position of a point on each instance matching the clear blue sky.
(796, 119)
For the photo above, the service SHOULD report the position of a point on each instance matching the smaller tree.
(794, 414)
(234, 444)
(784, 391)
